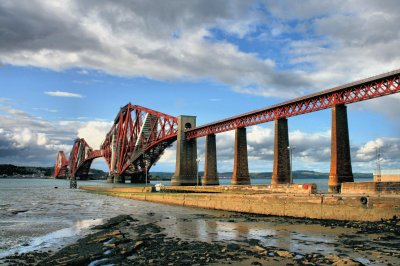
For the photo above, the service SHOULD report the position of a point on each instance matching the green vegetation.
(9, 170)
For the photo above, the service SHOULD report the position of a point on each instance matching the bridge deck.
(376, 86)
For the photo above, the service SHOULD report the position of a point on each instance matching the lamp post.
(197, 172)
(291, 161)
(145, 167)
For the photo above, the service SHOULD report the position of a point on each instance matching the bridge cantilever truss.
(137, 139)
(61, 166)
(135, 142)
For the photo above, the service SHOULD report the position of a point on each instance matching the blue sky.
(66, 68)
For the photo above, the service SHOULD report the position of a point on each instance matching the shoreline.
(290, 202)
(124, 240)
(184, 236)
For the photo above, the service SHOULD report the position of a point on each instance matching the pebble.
(284, 253)
(138, 245)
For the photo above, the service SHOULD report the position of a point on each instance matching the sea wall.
(371, 188)
(355, 208)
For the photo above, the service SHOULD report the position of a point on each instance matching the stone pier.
(341, 170)
(186, 154)
(139, 178)
(240, 168)
(119, 178)
(210, 167)
(281, 169)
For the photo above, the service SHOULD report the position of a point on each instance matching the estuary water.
(39, 214)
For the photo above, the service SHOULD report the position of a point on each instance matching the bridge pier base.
(110, 179)
(139, 179)
(186, 170)
(119, 179)
(241, 167)
(210, 177)
(341, 170)
(281, 169)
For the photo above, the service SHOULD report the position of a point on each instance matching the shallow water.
(34, 215)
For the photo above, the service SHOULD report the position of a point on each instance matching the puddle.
(53, 239)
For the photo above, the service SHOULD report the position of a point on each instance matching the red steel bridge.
(139, 136)
(361, 90)
(134, 143)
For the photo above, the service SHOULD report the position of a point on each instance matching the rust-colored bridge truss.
(137, 139)
(377, 86)
(61, 166)
(135, 142)
(140, 135)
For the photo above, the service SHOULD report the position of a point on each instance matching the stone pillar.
(139, 178)
(119, 179)
(186, 155)
(340, 150)
(240, 168)
(210, 167)
(281, 170)
(110, 179)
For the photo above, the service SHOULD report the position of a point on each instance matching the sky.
(67, 66)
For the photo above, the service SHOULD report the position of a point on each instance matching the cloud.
(310, 46)
(94, 132)
(344, 41)
(136, 38)
(311, 150)
(45, 109)
(63, 94)
(29, 140)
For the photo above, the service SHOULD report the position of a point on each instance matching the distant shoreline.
(27, 172)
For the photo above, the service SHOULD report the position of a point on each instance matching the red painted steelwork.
(137, 139)
(61, 166)
(377, 86)
(80, 158)
(141, 136)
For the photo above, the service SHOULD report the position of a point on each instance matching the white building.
(387, 175)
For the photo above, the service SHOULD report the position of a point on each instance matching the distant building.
(387, 175)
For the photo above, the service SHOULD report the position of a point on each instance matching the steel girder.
(377, 86)
(137, 139)
(61, 166)
(80, 159)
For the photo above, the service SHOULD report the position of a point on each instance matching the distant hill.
(298, 174)
(9, 170)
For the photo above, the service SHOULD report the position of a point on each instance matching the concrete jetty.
(280, 200)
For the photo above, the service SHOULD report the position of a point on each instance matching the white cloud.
(94, 132)
(319, 44)
(138, 39)
(63, 94)
(25, 139)
(45, 109)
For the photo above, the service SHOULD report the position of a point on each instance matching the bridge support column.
(186, 154)
(110, 179)
(210, 167)
(240, 168)
(139, 179)
(119, 179)
(281, 170)
(341, 170)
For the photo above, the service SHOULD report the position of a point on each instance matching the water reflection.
(56, 214)
(53, 239)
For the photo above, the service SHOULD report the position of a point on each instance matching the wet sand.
(125, 240)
